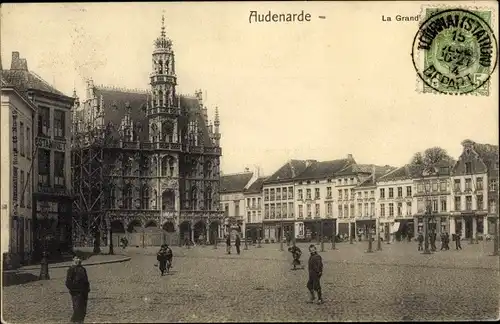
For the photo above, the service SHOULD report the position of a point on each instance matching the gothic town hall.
(145, 164)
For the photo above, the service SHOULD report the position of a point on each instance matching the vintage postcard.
(249, 161)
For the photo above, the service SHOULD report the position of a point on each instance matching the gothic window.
(145, 167)
(164, 166)
(160, 98)
(167, 98)
(154, 133)
(111, 201)
(127, 166)
(171, 166)
(208, 198)
(160, 67)
(194, 198)
(208, 169)
(127, 196)
(145, 197)
(168, 200)
(155, 198)
(127, 134)
(167, 131)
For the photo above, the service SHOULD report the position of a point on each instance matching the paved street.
(207, 285)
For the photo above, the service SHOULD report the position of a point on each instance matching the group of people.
(315, 267)
(164, 257)
(445, 241)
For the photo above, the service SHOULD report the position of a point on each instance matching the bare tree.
(430, 157)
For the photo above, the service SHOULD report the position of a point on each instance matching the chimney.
(247, 170)
(349, 157)
(18, 63)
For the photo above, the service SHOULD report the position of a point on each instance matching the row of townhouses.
(304, 197)
(36, 164)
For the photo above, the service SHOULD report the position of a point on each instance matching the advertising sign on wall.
(299, 230)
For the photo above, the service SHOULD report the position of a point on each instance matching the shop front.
(363, 228)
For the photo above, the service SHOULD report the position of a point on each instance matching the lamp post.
(44, 263)
(334, 236)
(377, 232)
(246, 238)
(321, 236)
(350, 233)
(426, 232)
(370, 247)
(260, 235)
(281, 234)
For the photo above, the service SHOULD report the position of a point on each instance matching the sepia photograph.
(260, 161)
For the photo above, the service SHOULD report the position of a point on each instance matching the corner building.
(145, 163)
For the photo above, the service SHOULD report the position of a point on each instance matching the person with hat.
(315, 273)
(78, 285)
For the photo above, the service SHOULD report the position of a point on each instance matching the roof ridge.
(392, 171)
(45, 82)
(121, 89)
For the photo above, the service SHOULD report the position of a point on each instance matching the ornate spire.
(163, 42)
(216, 121)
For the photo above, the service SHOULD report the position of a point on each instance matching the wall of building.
(17, 125)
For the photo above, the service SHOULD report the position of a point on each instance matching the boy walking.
(315, 273)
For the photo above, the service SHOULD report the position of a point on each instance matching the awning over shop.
(395, 227)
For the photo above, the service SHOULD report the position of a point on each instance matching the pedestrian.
(458, 244)
(237, 244)
(161, 256)
(420, 239)
(78, 285)
(228, 244)
(315, 273)
(446, 240)
(433, 241)
(443, 241)
(296, 253)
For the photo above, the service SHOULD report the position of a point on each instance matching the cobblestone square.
(207, 285)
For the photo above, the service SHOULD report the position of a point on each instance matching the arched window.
(171, 166)
(160, 67)
(155, 199)
(160, 98)
(194, 198)
(127, 196)
(168, 200)
(208, 198)
(167, 131)
(145, 167)
(127, 165)
(164, 166)
(154, 133)
(145, 197)
(208, 169)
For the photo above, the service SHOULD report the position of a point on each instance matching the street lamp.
(377, 232)
(426, 231)
(350, 233)
(370, 236)
(281, 236)
(44, 263)
(246, 239)
(321, 235)
(260, 235)
(334, 236)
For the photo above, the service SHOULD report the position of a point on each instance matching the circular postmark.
(455, 51)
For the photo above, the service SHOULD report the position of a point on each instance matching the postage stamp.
(455, 51)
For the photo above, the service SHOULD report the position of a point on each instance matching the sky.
(312, 90)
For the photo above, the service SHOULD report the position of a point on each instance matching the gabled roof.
(379, 172)
(234, 182)
(115, 102)
(289, 171)
(353, 169)
(322, 170)
(402, 173)
(24, 80)
(256, 186)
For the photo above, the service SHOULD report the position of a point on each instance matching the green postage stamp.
(455, 51)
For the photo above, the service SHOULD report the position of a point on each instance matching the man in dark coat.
(78, 285)
(420, 239)
(446, 241)
(162, 258)
(315, 273)
(458, 244)
(237, 244)
(296, 253)
(228, 244)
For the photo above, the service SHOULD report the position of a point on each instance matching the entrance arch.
(168, 227)
(134, 226)
(185, 231)
(200, 229)
(214, 231)
(151, 223)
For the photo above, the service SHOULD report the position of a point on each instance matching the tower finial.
(163, 34)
